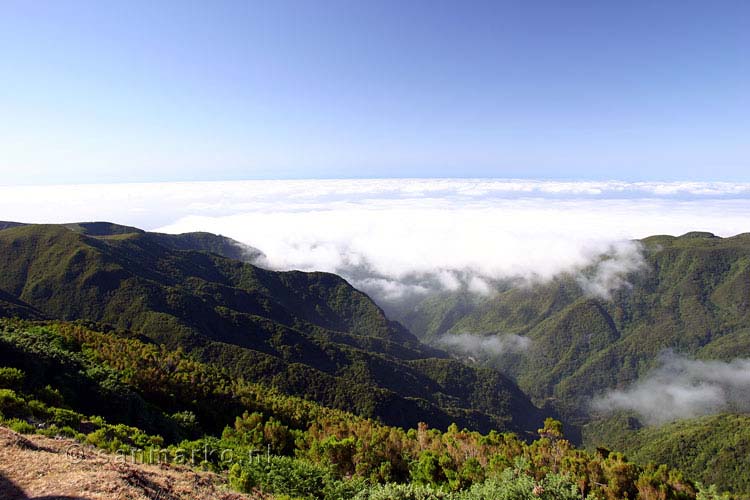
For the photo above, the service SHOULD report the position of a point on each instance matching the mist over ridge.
(398, 237)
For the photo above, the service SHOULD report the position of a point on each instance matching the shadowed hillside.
(309, 334)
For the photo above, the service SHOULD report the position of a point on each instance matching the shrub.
(38, 409)
(404, 492)
(21, 426)
(516, 485)
(513, 485)
(187, 421)
(122, 438)
(711, 493)
(11, 378)
(282, 476)
(66, 418)
(429, 469)
(12, 405)
(67, 431)
(50, 396)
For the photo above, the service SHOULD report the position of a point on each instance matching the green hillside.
(228, 337)
(713, 449)
(693, 297)
(138, 399)
(12, 307)
(306, 334)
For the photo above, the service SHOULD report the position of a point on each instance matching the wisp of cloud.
(481, 346)
(609, 272)
(683, 388)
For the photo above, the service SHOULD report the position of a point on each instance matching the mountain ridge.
(310, 334)
(693, 296)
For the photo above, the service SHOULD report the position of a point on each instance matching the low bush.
(11, 378)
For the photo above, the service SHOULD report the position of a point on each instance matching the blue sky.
(168, 91)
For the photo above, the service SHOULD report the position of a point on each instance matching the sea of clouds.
(398, 237)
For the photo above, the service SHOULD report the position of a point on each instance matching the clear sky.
(167, 91)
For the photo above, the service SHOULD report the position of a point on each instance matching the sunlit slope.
(115, 392)
(713, 449)
(693, 296)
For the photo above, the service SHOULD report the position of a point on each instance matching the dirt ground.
(41, 468)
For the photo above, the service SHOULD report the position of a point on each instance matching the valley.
(167, 338)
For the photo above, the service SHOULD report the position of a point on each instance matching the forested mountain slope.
(309, 334)
(714, 449)
(692, 296)
(153, 405)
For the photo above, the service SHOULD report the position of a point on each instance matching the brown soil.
(41, 468)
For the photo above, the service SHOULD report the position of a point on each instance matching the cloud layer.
(683, 388)
(398, 236)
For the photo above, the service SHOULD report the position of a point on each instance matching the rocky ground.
(41, 468)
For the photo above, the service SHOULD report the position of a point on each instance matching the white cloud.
(479, 286)
(683, 388)
(399, 236)
(610, 272)
(389, 290)
(483, 346)
(448, 280)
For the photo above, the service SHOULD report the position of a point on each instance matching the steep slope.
(713, 449)
(309, 334)
(156, 406)
(10, 306)
(693, 296)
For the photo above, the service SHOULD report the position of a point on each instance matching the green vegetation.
(693, 296)
(171, 343)
(57, 375)
(713, 449)
(307, 334)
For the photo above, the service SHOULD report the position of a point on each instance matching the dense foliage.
(692, 295)
(158, 314)
(164, 405)
(713, 449)
(307, 334)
